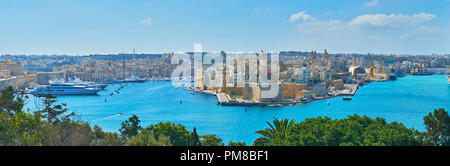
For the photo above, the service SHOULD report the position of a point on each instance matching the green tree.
(16, 126)
(231, 143)
(98, 132)
(109, 139)
(211, 140)
(102, 138)
(437, 125)
(147, 138)
(11, 100)
(130, 127)
(19, 129)
(71, 133)
(52, 111)
(49, 126)
(278, 133)
(177, 133)
(351, 131)
(195, 140)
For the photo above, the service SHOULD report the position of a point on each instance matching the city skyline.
(109, 27)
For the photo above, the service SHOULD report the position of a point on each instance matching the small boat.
(347, 98)
(328, 103)
(392, 77)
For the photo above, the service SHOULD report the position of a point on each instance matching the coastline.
(225, 100)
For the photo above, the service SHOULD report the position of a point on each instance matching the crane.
(371, 67)
(381, 64)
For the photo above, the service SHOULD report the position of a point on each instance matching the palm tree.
(280, 129)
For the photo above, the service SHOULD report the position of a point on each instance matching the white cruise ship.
(64, 89)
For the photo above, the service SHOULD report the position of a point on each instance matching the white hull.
(64, 89)
(65, 92)
(79, 82)
(88, 85)
(98, 86)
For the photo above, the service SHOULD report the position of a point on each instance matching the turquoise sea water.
(406, 100)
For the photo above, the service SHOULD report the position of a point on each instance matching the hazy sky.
(78, 27)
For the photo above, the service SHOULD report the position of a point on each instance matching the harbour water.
(406, 100)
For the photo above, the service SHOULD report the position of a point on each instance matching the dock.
(225, 100)
(222, 98)
(348, 90)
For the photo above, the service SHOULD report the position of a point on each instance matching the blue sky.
(79, 27)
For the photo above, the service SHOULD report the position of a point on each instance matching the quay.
(349, 90)
(225, 100)
(240, 102)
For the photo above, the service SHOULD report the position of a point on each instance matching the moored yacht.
(77, 81)
(64, 89)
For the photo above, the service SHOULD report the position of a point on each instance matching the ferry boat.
(64, 89)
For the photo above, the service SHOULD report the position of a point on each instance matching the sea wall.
(18, 81)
